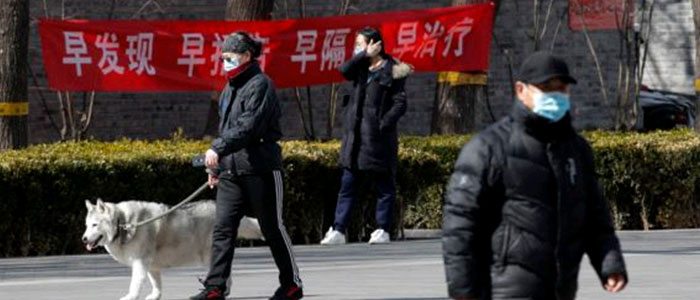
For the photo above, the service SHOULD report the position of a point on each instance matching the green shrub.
(650, 180)
(43, 187)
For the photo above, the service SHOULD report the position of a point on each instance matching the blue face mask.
(357, 50)
(552, 106)
(230, 64)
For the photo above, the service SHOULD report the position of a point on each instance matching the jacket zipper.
(551, 148)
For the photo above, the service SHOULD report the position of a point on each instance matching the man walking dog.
(249, 162)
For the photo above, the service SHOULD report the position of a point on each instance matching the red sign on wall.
(600, 14)
(148, 56)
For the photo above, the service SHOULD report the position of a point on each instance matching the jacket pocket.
(380, 105)
(507, 232)
(371, 121)
(499, 246)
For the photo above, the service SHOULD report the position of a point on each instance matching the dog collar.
(119, 230)
(120, 234)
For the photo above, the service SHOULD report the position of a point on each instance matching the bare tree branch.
(46, 9)
(145, 4)
(603, 88)
(302, 9)
(536, 24)
(640, 71)
(546, 19)
(71, 119)
(333, 95)
(309, 107)
(297, 97)
(312, 132)
(88, 116)
(111, 9)
(556, 31)
(64, 117)
(43, 99)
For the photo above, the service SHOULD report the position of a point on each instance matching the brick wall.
(671, 55)
(157, 115)
(514, 40)
(117, 115)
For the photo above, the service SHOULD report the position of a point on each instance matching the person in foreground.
(523, 203)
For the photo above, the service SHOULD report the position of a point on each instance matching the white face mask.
(357, 50)
(230, 64)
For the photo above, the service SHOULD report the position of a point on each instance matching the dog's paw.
(153, 296)
(129, 297)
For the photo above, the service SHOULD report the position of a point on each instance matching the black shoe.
(209, 293)
(290, 293)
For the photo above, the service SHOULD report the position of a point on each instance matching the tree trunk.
(454, 109)
(237, 10)
(696, 18)
(14, 32)
(456, 97)
(249, 10)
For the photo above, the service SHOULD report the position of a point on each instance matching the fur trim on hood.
(401, 70)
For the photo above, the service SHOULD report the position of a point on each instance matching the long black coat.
(250, 125)
(370, 139)
(522, 207)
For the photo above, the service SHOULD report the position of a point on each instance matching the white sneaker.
(333, 237)
(379, 236)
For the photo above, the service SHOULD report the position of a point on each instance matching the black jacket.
(522, 207)
(370, 139)
(249, 128)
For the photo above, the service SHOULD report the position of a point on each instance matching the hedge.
(649, 179)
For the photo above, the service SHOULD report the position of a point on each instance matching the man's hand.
(615, 283)
(373, 48)
(213, 180)
(211, 159)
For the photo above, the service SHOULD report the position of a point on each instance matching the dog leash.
(151, 220)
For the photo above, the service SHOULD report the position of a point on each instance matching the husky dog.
(182, 238)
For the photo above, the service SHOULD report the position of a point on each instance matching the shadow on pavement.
(404, 298)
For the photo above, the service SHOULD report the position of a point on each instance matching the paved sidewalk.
(663, 265)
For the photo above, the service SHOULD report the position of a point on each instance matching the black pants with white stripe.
(261, 195)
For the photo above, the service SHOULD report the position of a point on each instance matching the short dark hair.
(240, 42)
(372, 34)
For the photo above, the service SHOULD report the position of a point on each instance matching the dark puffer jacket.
(370, 140)
(249, 128)
(522, 207)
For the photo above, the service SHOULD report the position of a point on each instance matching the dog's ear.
(89, 205)
(101, 206)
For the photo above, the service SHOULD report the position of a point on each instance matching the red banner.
(600, 14)
(149, 56)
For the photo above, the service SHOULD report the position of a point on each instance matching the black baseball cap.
(542, 66)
